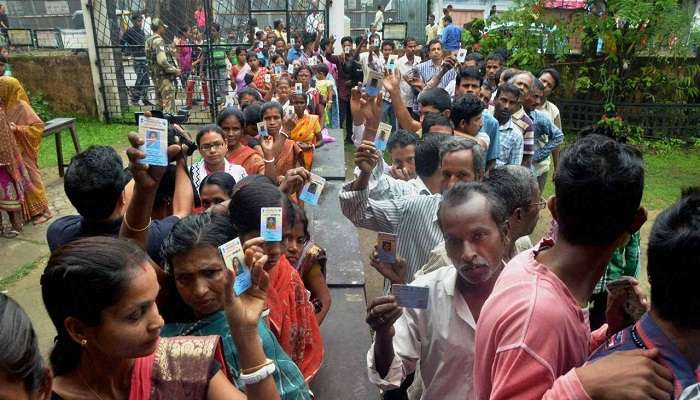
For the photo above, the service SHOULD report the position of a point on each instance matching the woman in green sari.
(197, 272)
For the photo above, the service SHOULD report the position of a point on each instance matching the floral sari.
(312, 261)
(293, 320)
(305, 131)
(288, 379)
(179, 369)
(14, 178)
(28, 134)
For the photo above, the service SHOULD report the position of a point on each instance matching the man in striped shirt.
(428, 69)
(524, 81)
(413, 219)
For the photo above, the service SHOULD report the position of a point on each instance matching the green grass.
(90, 132)
(666, 174)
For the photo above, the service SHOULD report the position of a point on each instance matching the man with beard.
(440, 338)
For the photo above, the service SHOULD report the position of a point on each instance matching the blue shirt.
(451, 37)
(490, 127)
(646, 334)
(545, 131)
(293, 54)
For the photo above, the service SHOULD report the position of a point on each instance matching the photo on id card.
(386, 247)
(391, 62)
(234, 259)
(311, 192)
(154, 132)
(383, 133)
(262, 129)
(271, 224)
(373, 83)
(461, 55)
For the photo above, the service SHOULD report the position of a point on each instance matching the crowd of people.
(141, 296)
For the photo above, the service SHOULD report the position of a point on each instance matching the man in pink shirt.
(533, 337)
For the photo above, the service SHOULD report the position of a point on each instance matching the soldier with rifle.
(162, 66)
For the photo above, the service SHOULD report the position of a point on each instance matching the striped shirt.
(413, 219)
(523, 122)
(427, 70)
(511, 144)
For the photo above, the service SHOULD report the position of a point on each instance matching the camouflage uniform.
(163, 69)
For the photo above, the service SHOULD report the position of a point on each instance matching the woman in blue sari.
(196, 271)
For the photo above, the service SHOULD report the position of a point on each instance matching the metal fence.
(680, 121)
(202, 91)
(414, 12)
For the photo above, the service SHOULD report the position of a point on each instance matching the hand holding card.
(262, 129)
(386, 246)
(232, 253)
(312, 190)
(154, 132)
(383, 133)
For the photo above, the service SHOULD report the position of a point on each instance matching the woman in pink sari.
(27, 128)
(14, 180)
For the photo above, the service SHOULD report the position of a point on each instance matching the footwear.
(43, 218)
(10, 233)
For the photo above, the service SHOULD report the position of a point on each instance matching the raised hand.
(396, 273)
(400, 173)
(244, 312)
(382, 313)
(366, 157)
(294, 180)
(146, 176)
(392, 82)
(356, 104)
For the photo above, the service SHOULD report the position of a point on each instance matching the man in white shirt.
(431, 30)
(379, 18)
(441, 337)
(405, 65)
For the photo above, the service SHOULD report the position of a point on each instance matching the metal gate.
(123, 84)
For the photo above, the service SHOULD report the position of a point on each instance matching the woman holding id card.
(304, 129)
(287, 153)
(292, 317)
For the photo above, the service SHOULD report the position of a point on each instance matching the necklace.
(88, 386)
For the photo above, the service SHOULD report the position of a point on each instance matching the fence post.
(94, 56)
(209, 9)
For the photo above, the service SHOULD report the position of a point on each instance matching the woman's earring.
(83, 342)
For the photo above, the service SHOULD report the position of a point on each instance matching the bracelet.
(252, 370)
(269, 161)
(136, 230)
(259, 375)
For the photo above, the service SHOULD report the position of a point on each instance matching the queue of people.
(140, 292)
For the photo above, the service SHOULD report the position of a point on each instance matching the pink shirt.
(530, 336)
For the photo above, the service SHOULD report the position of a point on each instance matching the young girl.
(325, 89)
(231, 122)
(309, 260)
(287, 153)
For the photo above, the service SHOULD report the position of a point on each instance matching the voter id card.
(271, 224)
(234, 259)
(312, 190)
(409, 296)
(154, 132)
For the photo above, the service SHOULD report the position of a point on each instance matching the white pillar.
(336, 23)
(92, 54)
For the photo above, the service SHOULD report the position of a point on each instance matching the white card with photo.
(312, 61)
(154, 132)
(271, 224)
(312, 190)
(461, 55)
(348, 49)
(409, 296)
(376, 42)
(383, 133)
(290, 69)
(262, 129)
(298, 88)
(373, 82)
(268, 78)
(292, 41)
(234, 259)
(386, 247)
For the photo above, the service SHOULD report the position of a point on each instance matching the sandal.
(43, 218)
(10, 233)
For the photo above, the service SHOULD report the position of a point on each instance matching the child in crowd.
(325, 88)
(308, 259)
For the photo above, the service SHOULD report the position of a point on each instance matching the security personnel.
(162, 67)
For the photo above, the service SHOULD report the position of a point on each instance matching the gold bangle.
(136, 230)
(246, 371)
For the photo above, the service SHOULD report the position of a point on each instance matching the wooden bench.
(55, 127)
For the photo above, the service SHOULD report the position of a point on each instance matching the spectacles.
(540, 204)
(213, 146)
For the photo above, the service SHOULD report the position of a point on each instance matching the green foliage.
(41, 106)
(630, 50)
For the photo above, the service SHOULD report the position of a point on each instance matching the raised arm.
(392, 85)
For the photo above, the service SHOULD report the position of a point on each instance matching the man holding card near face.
(432, 321)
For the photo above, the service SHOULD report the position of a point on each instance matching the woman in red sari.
(28, 130)
(292, 317)
(100, 293)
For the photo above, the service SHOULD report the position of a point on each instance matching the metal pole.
(208, 58)
(286, 15)
(90, 6)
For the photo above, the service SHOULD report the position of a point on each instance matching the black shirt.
(72, 227)
(136, 40)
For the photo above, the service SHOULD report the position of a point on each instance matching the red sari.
(247, 158)
(293, 320)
